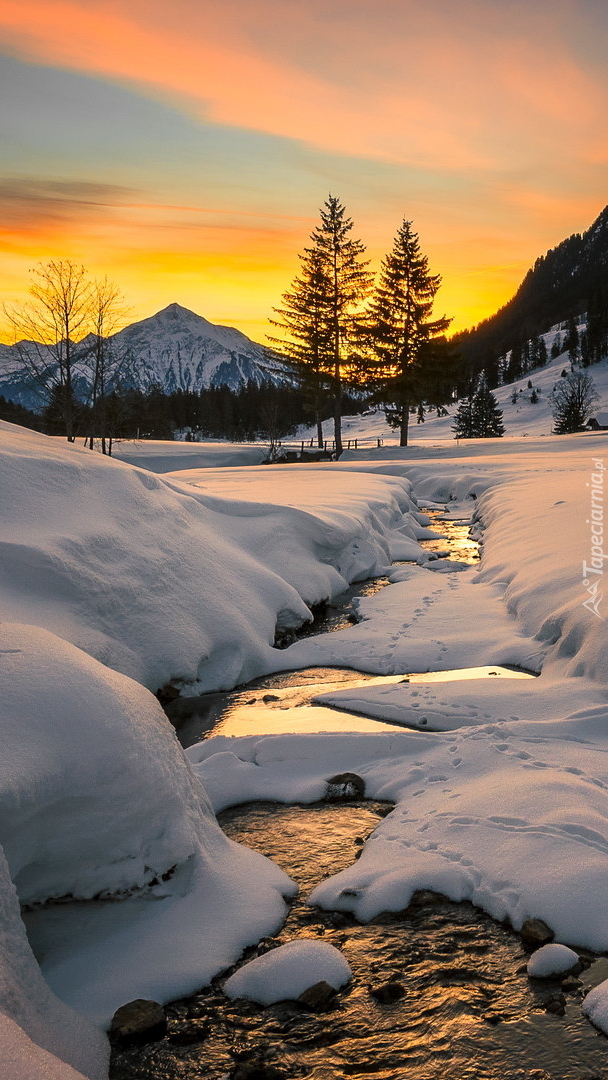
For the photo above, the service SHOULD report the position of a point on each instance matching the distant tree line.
(253, 412)
(14, 413)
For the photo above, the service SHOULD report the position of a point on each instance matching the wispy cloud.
(28, 203)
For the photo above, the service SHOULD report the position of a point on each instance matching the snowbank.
(39, 1035)
(159, 456)
(94, 796)
(162, 580)
(98, 802)
(501, 791)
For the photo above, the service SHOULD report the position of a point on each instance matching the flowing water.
(461, 1006)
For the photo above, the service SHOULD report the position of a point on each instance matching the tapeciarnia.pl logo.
(593, 571)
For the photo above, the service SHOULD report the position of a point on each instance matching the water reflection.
(454, 541)
(468, 1011)
(284, 703)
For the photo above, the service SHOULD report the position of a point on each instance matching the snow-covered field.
(115, 580)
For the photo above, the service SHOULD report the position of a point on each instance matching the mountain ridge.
(175, 349)
(562, 283)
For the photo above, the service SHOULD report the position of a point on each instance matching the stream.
(243, 710)
(438, 991)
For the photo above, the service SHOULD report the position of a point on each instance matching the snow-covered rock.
(286, 972)
(551, 960)
(595, 1006)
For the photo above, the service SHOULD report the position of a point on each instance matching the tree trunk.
(338, 419)
(320, 442)
(338, 431)
(405, 421)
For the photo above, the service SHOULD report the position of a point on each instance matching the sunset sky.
(184, 148)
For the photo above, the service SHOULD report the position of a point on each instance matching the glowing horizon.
(185, 154)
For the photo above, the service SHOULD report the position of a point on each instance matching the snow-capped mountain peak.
(175, 349)
(180, 350)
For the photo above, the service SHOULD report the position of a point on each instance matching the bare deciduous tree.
(103, 357)
(64, 339)
(47, 330)
(573, 398)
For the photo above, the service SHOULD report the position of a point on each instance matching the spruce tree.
(349, 283)
(479, 416)
(487, 417)
(571, 343)
(409, 360)
(556, 348)
(597, 326)
(462, 425)
(308, 347)
(321, 314)
(515, 364)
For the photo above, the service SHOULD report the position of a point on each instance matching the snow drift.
(164, 581)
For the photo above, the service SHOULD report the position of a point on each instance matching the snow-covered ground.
(115, 581)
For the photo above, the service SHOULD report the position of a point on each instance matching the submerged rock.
(318, 998)
(388, 992)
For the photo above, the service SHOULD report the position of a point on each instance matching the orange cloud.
(230, 268)
(399, 83)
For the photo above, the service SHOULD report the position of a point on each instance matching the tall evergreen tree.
(322, 311)
(304, 318)
(572, 340)
(515, 364)
(596, 344)
(462, 425)
(349, 284)
(487, 417)
(408, 352)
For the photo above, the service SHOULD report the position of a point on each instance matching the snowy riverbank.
(126, 580)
